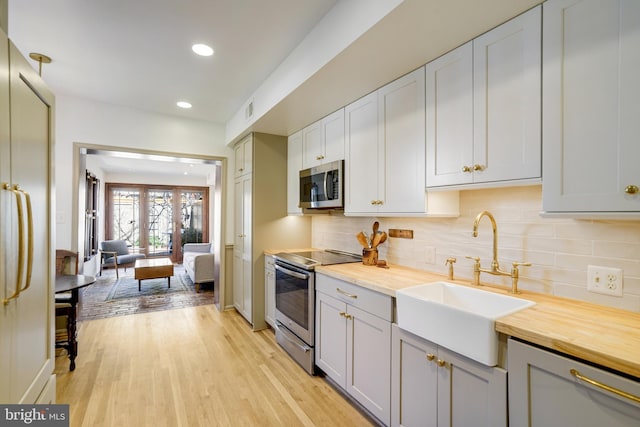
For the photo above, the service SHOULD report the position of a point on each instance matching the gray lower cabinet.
(353, 342)
(548, 389)
(433, 386)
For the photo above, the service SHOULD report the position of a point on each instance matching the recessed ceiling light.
(202, 49)
(183, 104)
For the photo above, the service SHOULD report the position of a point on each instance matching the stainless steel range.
(295, 300)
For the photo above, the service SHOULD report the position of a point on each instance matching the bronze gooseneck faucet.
(495, 266)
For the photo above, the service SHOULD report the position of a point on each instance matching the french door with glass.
(157, 220)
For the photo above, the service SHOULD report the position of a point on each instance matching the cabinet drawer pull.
(347, 294)
(466, 169)
(430, 357)
(631, 189)
(479, 168)
(608, 388)
(441, 362)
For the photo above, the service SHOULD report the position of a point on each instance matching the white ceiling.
(137, 53)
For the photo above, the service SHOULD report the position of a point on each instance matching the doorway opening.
(155, 170)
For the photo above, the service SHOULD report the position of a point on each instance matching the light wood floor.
(191, 367)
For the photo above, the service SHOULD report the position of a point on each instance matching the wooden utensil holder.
(369, 256)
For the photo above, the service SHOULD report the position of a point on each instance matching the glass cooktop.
(309, 259)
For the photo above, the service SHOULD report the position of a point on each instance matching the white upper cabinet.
(361, 165)
(506, 100)
(385, 149)
(591, 109)
(483, 108)
(449, 110)
(294, 165)
(323, 141)
(401, 145)
(243, 157)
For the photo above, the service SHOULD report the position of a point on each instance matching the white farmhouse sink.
(457, 317)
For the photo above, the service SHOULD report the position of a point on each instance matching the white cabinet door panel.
(591, 109)
(449, 116)
(507, 80)
(331, 337)
(369, 362)
(333, 136)
(361, 165)
(401, 161)
(312, 145)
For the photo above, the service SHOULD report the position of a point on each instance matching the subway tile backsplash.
(559, 248)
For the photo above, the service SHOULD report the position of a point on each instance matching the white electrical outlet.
(604, 280)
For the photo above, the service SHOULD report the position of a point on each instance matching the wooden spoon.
(376, 240)
(362, 238)
(383, 238)
(376, 225)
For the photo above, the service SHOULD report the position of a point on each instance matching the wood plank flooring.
(192, 367)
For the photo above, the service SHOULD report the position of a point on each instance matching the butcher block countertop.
(599, 334)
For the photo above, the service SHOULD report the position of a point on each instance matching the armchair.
(116, 253)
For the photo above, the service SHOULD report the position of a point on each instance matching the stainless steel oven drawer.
(296, 348)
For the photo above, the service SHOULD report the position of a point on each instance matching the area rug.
(110, 297)
(127, 287)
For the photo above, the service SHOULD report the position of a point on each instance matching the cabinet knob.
(441, 362)
(319, 157)
(479, 168)
(631, 189)
(430, 356)
(466, 169)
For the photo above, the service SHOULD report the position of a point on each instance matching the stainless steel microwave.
(322, 187)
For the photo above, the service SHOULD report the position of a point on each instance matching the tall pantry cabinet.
(260, 219)
(26, 232)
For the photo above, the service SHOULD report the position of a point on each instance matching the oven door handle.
(291, 272)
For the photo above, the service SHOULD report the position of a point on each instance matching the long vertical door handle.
(27, 198)
(326, 186)
(16, 293)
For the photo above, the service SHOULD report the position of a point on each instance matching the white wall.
(560, 249)
(88, 122)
